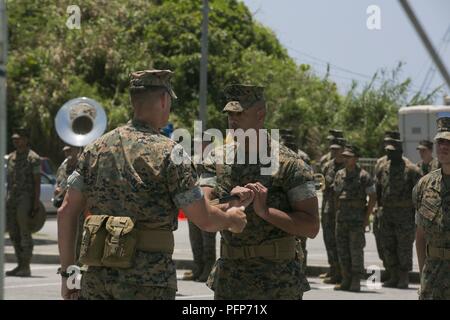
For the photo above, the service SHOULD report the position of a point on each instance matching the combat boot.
(12, 273)
(24, 271)
(385, 275)
(393, 280)
(345, 283)
(355, 285)
(334, 279)
(205, 274)
(403, 280)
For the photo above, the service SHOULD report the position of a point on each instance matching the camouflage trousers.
(18, 210)
(435, 280)
(397, 231)
(328, 221)
(351, 241)
(203, 246)
(376, 233)
(101, 284)
(258, 279)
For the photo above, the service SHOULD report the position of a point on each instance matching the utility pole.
(3, 54)
(426, 42)
(204, 66)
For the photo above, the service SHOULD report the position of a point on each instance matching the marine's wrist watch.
(63, 274)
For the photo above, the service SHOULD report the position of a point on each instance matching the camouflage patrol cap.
(335, 133)
(337, 143)
(443, 128)
(351, 151)
(240, 97)
(425, 144)
(20, 133)
(391, 135)
(152, 79)
(393, 145)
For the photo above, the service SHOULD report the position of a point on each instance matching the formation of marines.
(129, 188)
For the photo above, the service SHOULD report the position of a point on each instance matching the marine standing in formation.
(352, 185)
(328, 211)
(432, 202)
(395, 180)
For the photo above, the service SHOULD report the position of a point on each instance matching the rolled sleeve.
(302, 192)
(186, 198)
(76, 181)
(207, 180)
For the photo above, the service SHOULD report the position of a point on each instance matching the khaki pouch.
(93, 240)
(120, 244)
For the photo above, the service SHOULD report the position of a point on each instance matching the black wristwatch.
(63, 274)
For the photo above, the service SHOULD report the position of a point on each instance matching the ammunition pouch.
(110, 241)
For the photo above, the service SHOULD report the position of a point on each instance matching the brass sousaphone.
(79, 122)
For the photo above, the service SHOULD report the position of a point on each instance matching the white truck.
(418, 123)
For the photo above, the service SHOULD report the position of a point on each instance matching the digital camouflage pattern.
(64, 171)
(428, 167)
(21, 169)
(129, 172)
(432, 203)
(259, 278)
(240, 97)
(152, 78)
(351, 190)
(395, 182)
(328, 218)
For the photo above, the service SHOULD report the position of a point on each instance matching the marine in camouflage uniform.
(288, 139)
(328, 218)
(428, 163)
(432, 202)
(352, 185)
(66, 168)
(395, 180)
(23, 178)
(203, 243)
(130, 173)
(388, 137)
(264, 261)
(334, 134)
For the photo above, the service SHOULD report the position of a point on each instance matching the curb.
(311, 271)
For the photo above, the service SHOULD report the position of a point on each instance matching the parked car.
(48, 182)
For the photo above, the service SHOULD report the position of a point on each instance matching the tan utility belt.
(155, 241)
(397, 204)
(282, 249)
(438, 253)
(351, 203)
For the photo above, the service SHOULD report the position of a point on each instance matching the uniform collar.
(142, 126)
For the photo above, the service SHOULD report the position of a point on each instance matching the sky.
(318, 32)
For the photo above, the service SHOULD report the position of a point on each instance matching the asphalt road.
(45, 285)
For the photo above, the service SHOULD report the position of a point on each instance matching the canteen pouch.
(120, 244)
(93, 240)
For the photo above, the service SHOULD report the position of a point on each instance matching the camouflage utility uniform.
(241, 272)
(22, 168)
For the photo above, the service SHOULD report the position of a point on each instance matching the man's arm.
(68, 214)
(302, 221)
(420, 247)
(370, 206)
